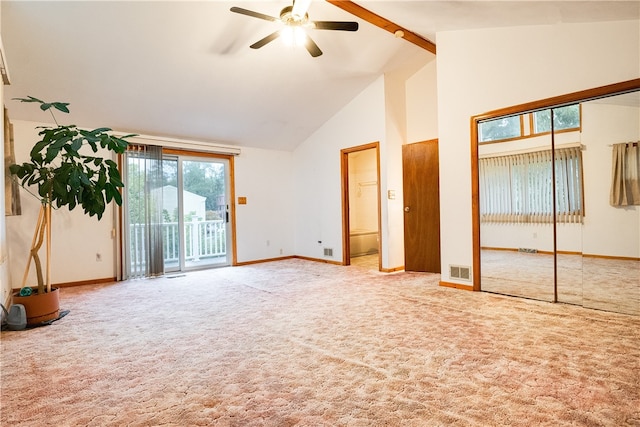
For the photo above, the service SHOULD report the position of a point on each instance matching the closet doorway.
(361, 206)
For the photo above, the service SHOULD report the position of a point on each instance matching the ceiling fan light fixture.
(293, 36)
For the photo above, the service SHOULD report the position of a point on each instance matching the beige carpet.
(601, 283)
(311, 344)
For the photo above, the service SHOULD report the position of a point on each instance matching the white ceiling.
(184, 69)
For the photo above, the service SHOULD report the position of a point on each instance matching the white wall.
(265, 224)
(607, 230)
(316, 172)
(482, 70)
(391, 169)
(422, 104)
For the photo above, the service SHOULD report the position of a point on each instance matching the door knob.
(407, 208)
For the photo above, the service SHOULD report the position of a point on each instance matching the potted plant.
(65, 169)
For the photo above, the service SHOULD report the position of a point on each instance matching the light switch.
(391, 194)
(242, 200)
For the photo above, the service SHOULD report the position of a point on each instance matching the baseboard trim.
(456, 286)
(392, 270)
(80, 283)
(260, 261)
(325, 261)
(612, 257)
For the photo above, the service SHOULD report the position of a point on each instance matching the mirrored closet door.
(550, 221)
(516, 233)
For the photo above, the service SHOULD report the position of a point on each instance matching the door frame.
(346, 228)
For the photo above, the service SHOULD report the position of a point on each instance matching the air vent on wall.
(460, 272)
(328, 252)
(528, 250)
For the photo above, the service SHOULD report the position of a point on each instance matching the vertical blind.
(143, 219)
(517, 188)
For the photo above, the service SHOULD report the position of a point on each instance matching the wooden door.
(421, 188)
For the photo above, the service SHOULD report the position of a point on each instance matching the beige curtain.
(625, 175)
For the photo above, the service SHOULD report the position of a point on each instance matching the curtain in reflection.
(625, 175)
(517, 188)
(144, 210)
(569, 186)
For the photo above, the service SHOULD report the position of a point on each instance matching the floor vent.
(328, 252)
(460, 272)
(528, 250)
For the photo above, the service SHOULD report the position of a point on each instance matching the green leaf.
(117, 197)
(76, 145)
(93, 145)
(115, 178)
(15, 170)
(38, 147)
(100, 131)
(52, 152)
(108, 191)
(29, 99)
(74, 179)
(84, 178)
(60, 188)
(61, 106)
(45, 188)
(102, 179)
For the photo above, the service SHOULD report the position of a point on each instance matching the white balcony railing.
(203, 239)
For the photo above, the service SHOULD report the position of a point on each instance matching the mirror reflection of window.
(564, 118)
(500, 129)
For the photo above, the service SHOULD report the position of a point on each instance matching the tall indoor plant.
(65, 168)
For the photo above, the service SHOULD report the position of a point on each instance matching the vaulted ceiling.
(184, 69)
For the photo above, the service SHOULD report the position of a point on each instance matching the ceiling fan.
(296, 22)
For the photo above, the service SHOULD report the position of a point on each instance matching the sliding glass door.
(176, 213)
(196, 212)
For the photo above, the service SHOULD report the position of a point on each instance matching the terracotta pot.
(40, 307)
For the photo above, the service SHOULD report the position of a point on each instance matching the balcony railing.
(203, 240)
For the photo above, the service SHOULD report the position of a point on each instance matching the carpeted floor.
(310, 344)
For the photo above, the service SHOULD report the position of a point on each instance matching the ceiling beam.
(384, 23)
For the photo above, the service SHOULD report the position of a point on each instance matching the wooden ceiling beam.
(384, 23)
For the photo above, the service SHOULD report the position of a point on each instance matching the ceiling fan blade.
(312, 47)
(253, 14)
(336, 25)
(271, 37)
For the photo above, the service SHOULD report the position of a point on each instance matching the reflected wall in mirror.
(544, 227)
(611, 234)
